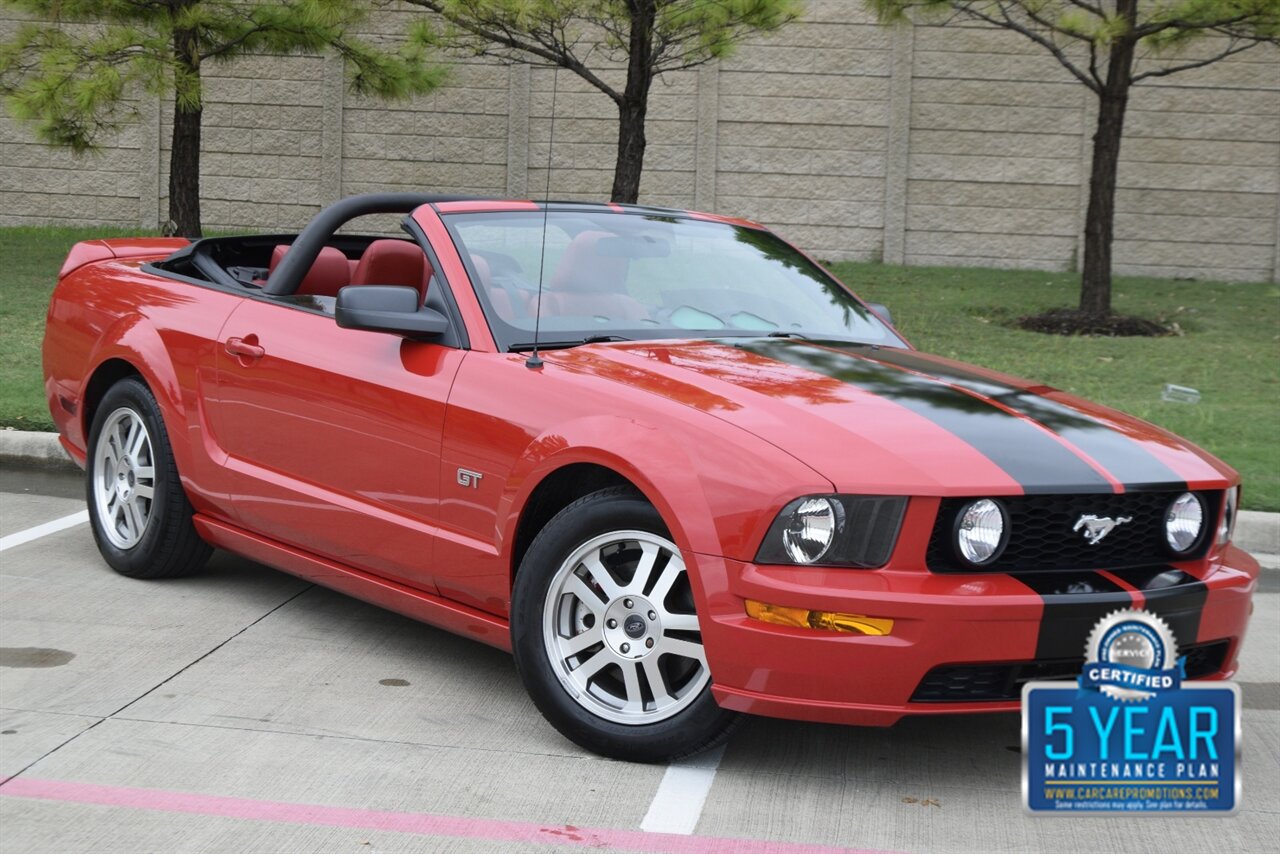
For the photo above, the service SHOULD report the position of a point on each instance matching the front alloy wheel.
(629, 656)
(606, 636)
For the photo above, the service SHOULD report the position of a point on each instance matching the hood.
(880, 420)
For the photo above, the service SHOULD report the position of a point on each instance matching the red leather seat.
(588, 283)
(328, 274)
(509, 305)
(393, 262)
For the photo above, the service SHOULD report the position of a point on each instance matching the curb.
(1256, 531)
(34, 449)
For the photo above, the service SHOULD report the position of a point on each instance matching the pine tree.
(69, 72)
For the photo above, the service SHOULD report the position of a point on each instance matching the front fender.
(716, 486)
(667, 477)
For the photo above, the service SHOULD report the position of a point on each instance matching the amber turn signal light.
(803, 618)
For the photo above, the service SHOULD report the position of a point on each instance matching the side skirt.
(414, 604)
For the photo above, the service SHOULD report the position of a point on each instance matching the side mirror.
(882, 311)
(388, 308)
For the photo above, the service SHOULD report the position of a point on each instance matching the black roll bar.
(284, 280)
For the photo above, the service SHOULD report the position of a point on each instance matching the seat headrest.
(329, 273)
(582, 269)
(482, 270)
(392, 262)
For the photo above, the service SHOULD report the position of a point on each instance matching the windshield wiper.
(561, 345)
(827, 339)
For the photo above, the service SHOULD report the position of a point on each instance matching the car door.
(333, 436)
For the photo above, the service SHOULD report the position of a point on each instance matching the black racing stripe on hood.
(1074, 602)
(1029, 455)
(1126, 460)
(1173, 595)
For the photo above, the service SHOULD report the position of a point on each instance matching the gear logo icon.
(1132, 639)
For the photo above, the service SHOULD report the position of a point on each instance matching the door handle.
(245, 348)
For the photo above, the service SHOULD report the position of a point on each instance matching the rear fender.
(134, 340)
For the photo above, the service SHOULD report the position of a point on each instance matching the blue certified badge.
(1131, 737)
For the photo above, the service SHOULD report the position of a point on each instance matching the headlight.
(981, 531)
(1228, 526)
(810, 529)
(834, 530)
(1184, 522)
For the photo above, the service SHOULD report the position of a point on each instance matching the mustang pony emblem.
(1097, 527)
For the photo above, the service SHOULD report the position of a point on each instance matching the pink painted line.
(494, 830)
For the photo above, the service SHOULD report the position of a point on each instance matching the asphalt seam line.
(44, 530)
(150, 690)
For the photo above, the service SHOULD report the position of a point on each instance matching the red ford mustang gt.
(663, 457)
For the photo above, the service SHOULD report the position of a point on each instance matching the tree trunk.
(184, 154)
(184, 172)
(1099, 227)
(634, 103)
(631, 144)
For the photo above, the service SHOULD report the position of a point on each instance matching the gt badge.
(469, 478)
(1096, 527)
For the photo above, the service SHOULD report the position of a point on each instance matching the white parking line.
(44, 530)
(677, 805)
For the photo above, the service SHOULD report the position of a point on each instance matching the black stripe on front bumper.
(1172, 595)
(1074, 602)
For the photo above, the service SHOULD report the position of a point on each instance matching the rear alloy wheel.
(606, 636)
(124, 478)
(139, 512)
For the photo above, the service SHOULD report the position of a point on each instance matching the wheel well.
(108, 374)
(557, 491)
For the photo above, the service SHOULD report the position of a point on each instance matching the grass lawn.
(32, 256)
(1230, 352)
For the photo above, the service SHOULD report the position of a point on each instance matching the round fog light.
(811, 529)
(981, 530)
(1184, 522)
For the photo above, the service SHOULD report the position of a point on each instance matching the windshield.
(613, 275)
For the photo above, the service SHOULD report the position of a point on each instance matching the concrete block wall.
(39, 184)
(261, 143)
(914, 144)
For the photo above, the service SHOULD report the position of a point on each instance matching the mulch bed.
(1069, 321)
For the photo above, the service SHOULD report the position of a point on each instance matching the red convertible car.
(666, 459)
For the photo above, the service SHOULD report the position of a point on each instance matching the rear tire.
(604, 592)
(139, 513)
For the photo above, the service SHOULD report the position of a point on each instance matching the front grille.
(1041, 534)
(973, 683)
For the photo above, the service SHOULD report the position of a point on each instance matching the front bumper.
(939, 620)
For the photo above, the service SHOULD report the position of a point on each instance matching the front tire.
(606, 637)
(139, 513)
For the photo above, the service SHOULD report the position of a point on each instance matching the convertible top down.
(665, 458)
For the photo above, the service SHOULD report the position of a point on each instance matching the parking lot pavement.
(246, 710)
